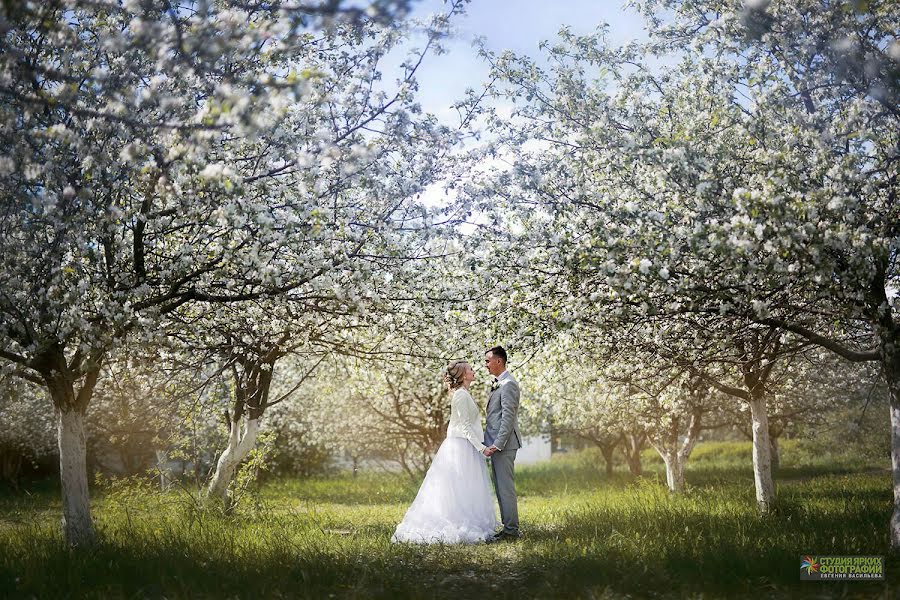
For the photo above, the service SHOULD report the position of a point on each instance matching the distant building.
(534, 449)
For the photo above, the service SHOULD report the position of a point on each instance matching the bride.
(454, 504)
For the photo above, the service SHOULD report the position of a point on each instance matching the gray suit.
(502, 431)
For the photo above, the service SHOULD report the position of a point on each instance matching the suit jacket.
(501, 418)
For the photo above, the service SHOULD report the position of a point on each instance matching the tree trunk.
(895, 463)
(11, 466)
(162, 465)
(71, 406)
(607, 450)
(775, 451)
(634, 444)
(674, 454)
(239, 446)
(887, 332)
(198, 469)
(664, 441)
(891, 362)
(674, 471)
(762, 457)
(78, 526)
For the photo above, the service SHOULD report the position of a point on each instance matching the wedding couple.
(454, 504)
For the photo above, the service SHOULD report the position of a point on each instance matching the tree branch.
(825, 342)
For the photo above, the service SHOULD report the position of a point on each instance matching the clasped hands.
(490, 450)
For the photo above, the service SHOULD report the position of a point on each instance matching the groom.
(501, 435)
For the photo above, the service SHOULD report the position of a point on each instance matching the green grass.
(586, 536)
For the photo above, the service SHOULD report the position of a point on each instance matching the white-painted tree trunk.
(895, 470)
(162, 465)
(78, 526)
(890, 361)
(239, 446)
(675, 453)
(762, 458)
(674, 471)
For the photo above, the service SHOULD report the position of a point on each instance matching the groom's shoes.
(503, 536)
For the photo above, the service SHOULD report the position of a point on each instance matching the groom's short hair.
(499, 352)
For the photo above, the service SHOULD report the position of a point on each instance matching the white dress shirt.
(465, 419)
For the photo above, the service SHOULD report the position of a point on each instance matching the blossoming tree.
(159, 156)
(749, 184)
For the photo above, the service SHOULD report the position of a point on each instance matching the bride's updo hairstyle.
(453, 376)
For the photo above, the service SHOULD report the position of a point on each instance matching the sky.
(518, 25)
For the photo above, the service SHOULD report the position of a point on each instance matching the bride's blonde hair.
(453, 375)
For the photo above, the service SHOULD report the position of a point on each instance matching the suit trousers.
(502, 472)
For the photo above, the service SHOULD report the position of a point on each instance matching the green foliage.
(129, 490)
(297, 456)
(241, 490)
(849, 430)
(344, 488)
(585, 536)
(729, 455)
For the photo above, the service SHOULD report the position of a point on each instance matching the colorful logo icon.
(809, 563)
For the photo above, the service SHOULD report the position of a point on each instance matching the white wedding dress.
(455, 504)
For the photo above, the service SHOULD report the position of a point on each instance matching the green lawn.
(586, 536)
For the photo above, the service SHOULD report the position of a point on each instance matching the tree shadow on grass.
(636, 540)
(655, 546)
(676, 553)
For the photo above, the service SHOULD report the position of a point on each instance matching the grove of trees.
(214, 224)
